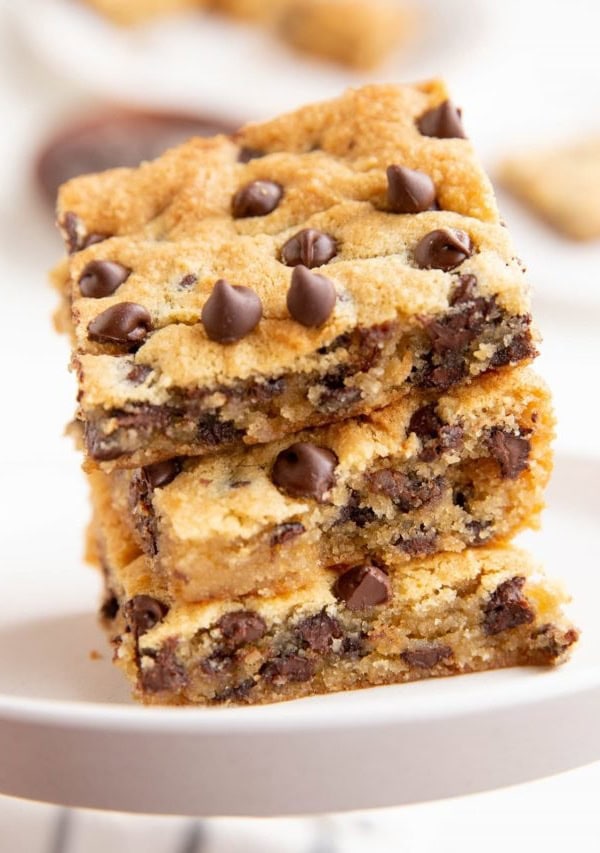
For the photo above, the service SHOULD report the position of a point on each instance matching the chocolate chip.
(443, 122)
(142, 512)
(408, 491)
(449, 437)
(187, 282)
(230, 312)
(310, 248)
(73, 228)
(552, 641)
(354, 647)
(143, 612)
(332, 401)
(372, 341)
(93, 238)
(450, 333)
(246, 154)
(507, 608)
(165, 673)
(510, 451)
(241, 626)
(124, 323)
(443, 249)
(519, 348)
(305, 470)
(263, 390)
(110, 608)
(281, 670)
(337, 395)
(425, 423)
(409, 191)
(427, 655)
(354, 512)
(219, 662)
(419, 543)
(139, 373)
(311, 297)
(234, 694)
(102, 278)
(342, 341)
(283, 533)
(100, 447)
(212, 432)
(362, 587)
(256, 199)
(319, 631)
(465, 290)
(160, 474)
(479, 531)
(443, 376)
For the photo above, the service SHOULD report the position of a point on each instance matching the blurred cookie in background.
(114, 137)
(359, 33)
(560, 184)
(356, 33)
(250, 10)
(129, 12)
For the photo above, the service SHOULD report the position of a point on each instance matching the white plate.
(69, 733)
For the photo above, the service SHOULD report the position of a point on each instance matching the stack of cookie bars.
(309, 424)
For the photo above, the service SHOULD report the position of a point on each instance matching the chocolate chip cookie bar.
(311, 268)
(464, 470)
(348, 628)
(560, 185)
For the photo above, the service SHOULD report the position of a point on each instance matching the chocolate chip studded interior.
(414, 479)
(443, 615)
(428, 299)
(309, 425)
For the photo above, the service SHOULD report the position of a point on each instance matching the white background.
(525, 72)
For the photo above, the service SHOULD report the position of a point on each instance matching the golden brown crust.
(171, 222)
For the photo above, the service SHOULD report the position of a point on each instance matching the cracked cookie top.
(377, 193)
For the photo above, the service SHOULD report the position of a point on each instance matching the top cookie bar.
(311, 268)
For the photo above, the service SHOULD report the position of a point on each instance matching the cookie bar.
(314, 267)
(413, 479)
(348, 628)
(359, 33)
(561, 185)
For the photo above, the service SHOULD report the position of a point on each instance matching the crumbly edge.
(222, 525)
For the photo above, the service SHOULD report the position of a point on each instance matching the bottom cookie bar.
(352, 627)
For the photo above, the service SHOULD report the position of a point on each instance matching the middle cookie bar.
(413, 479)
